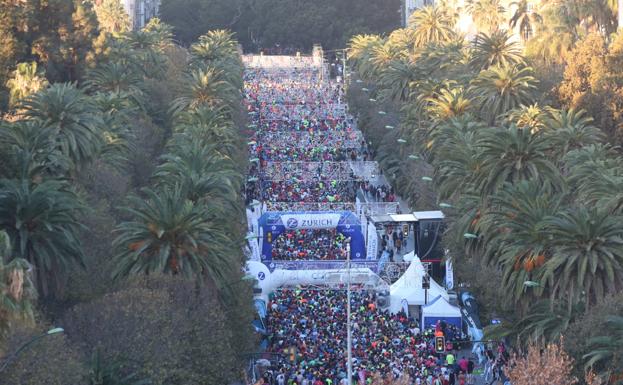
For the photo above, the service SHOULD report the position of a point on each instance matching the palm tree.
(205, 88)
(500, 89)
(31, 150)
(360, 49)
(170, 234)
(525, 18)
(530, 117)
(41, 220)
(114, 77)
(587, 254)
(431, 24)
(595, 173)
(73, 118)
(448, 103)
(495, 49)
(17, 292)
(511, 155)
(456, 155)
(26, 80)
(204, 174)
(517, 234)
(112, 17)
(399, 77)
(487, 14)
(606, 348)
(570, 129)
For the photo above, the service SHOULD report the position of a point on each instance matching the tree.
(500, 89)
(511, 155)
(112, 17)
(548, 364)
(525, 18)
(26, 81)
(51, 360)
(171, 234)
(72, 116)
(41, 221)
(169, 330)
(17, 292)
(487, 14)
(495, 49)
(606, 347)
(205, 88)
(431, 24)
(204, 174)
(587, 255)
(570, 130)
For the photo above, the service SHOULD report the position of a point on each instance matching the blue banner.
(274, 224)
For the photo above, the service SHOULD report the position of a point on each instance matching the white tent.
(440, 310)
(409, 287)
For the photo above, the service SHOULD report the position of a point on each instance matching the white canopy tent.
(409, 287)
(441, 310)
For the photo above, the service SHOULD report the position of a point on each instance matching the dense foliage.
(530, 190)
(117, 164)
(286, 24)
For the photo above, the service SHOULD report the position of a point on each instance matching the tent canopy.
(409, 287)
(441, 310)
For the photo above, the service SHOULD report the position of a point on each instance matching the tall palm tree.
(172, 235)
(30, 147)
(42, 222)
(73, 118)
(456, 155)
(595, 173)
(511, 155)
(495, 49)
(587, 254)
(448, 103)
(205, 88)
(204, 174)
(532, 117)
(487, 14)
(360, 48)
(431, 24)
(114, 77)
(518, 237)
(26, 80)
(606, 348)
(571, 129)
(17, 292)
(399, 77)
(500, 89)
(525, 18)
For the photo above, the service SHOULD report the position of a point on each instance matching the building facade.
(141, 11)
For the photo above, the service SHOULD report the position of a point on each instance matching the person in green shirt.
(450, 359)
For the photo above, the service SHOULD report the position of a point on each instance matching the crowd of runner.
(307, 329)
(307, 155)
(302, 140)
(306, 244)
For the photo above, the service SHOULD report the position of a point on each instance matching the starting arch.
(273, 224)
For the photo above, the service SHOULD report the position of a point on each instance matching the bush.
(50, 360)
(167, 329)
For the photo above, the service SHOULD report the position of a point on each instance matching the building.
(141, 11)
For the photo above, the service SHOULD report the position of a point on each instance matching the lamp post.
(349, 342)
(13, 356)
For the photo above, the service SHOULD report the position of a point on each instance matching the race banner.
(373, 242)
(449, 274)
(310, 221)
(254, 246)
